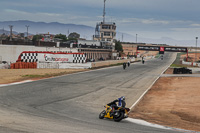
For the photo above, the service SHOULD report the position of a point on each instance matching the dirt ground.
(192, 56)
(169, 71)
(173, 102)
(14, 75)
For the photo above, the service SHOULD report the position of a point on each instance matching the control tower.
(105, 32)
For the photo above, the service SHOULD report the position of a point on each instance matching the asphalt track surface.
(72, 103)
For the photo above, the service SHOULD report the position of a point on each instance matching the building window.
(106, 27)
(109, 39)
(106, 33)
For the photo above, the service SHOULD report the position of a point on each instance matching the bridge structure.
(163, 49)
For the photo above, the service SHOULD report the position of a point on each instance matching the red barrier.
(12, 66)
(23, 65)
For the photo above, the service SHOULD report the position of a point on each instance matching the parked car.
(183, 70)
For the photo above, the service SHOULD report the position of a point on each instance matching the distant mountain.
(84, 31)
(2, 31)
(51, 28)
(163, 40)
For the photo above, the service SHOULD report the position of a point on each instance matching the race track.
(72, 103)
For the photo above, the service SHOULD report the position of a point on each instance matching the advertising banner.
(162, 49)
(36, 56)
(55, 57)
(175, 49)
(148, 48)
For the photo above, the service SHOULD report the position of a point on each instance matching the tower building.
(105, 32)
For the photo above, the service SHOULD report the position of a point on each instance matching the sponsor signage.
(162, 49)
(175, 49)
(55, 57)
(149, 48)
(38, 56)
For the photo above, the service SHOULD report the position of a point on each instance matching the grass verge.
(46, 75)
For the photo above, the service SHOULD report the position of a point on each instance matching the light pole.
(27, 30)
(196, 50)
(136, 38)
(136, 43)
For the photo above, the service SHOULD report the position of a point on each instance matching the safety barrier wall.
(23, 65)
(4, 66)
(54, 65)
(191, 63)
(107, 63)
(10, 53)
(57, 65)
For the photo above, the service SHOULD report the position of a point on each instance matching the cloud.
(195, 25)
(11, 14)
(154, 18)
(153, 21)
(144, 21)
(187, 30)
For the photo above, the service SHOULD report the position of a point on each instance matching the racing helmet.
(123, 98)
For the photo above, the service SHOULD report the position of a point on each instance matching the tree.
(37, 38)
(61, 36)
(74, 35)
(118, 46)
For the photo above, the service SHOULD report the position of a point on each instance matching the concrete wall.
(107, 63)
(89, 42)
(64, 65)
(10, 53)
(191, 63)
(81, 65)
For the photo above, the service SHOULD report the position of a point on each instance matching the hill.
(42, 27)
(85, 32)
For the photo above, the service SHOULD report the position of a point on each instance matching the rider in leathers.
(121, 103)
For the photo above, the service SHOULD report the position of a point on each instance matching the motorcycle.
(117, 114)
(143, 61)
(124, 66)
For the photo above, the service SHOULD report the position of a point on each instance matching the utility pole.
(68, 34)
(104, 11)
(11, 26)
(196, 49)
(27, 26)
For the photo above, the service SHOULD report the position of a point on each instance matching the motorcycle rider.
(128, 63)
(124, 65)
(121, 103)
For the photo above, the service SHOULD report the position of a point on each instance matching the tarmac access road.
(72, 103)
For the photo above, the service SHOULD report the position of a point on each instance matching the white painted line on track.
(25, 81)
(142, 122)
(150, 86)
(21, 82)
(145, 123)
(15, 83)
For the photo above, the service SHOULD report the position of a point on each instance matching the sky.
(155, 19)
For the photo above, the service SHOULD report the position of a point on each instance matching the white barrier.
(58, 65)
(10, 53)
(4, 66)
(191, 63)
(133, 59)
